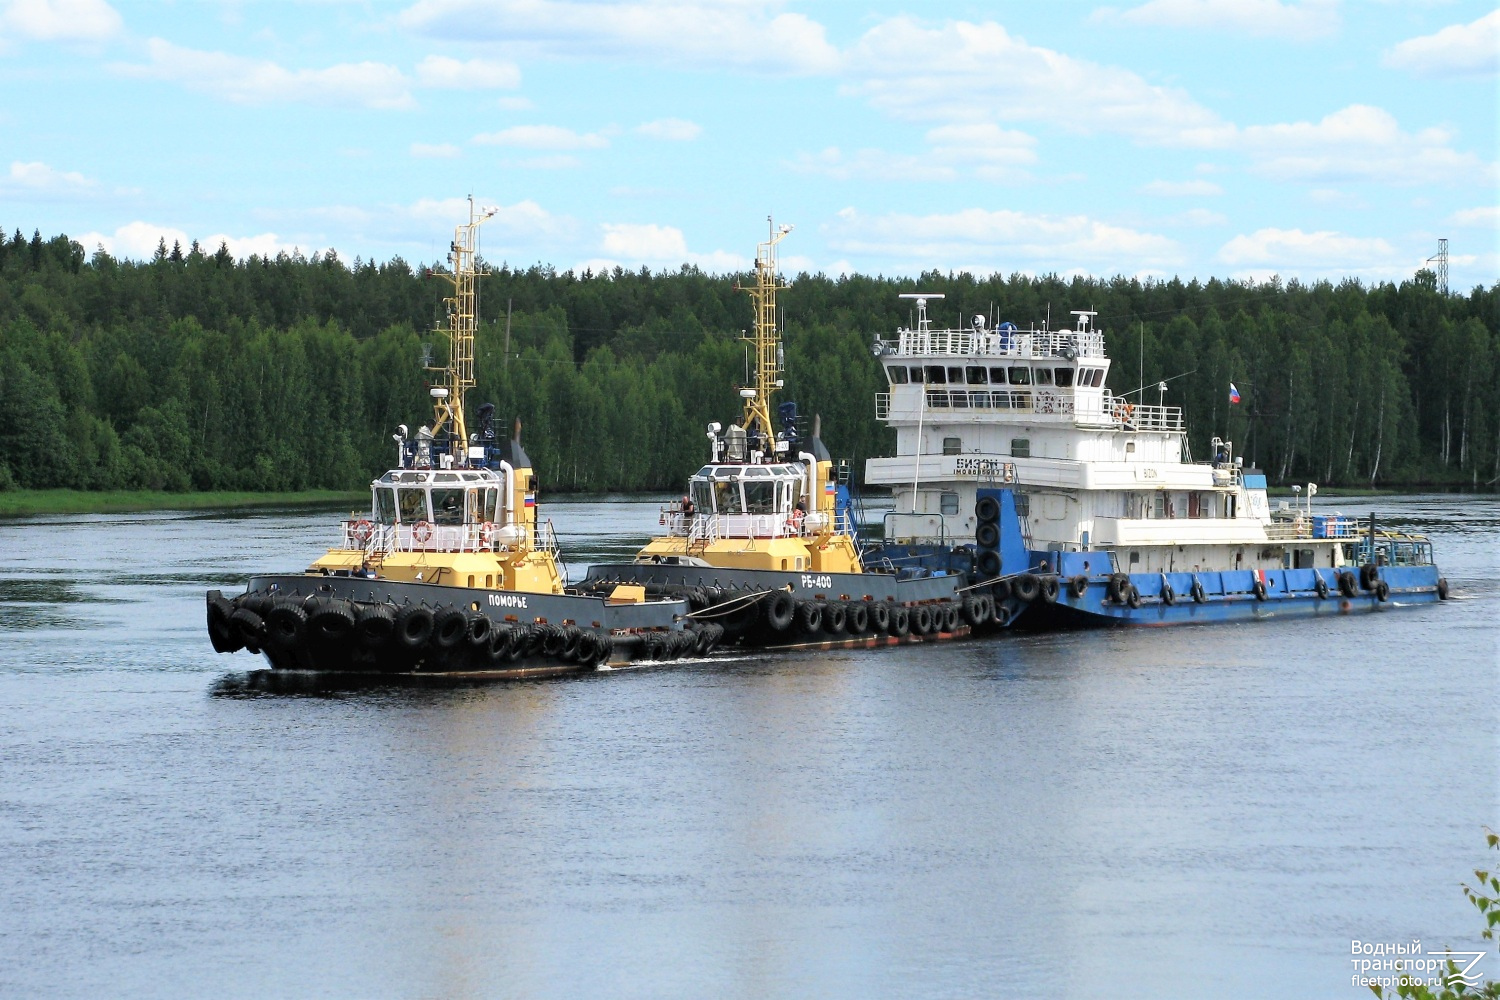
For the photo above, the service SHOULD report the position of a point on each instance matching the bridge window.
(916, 374)
(447, 506)
(976, 375)
(385, 506)
(413, 504)
(491, 504)
(760, 498)
(898, 374)
(997, 376)
(956, 375)
(1064, 378)
(1044, 376)
(1020, 376)
(727, 498)
(703, 496)
(953, 446)
(1020, 447)
(937, 375)
(1098, 378)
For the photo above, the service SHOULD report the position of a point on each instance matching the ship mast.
(463, 320)
(766, 338)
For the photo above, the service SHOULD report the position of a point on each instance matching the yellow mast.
(766, 338)
(463, 321)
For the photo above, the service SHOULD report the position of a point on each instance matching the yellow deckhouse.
(760, 503)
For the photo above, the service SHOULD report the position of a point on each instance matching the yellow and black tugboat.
(451, 572)
(764, 543)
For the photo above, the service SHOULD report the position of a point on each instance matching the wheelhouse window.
(937, 375)
(917, 375)
(760, 497)
(413, 504)
(385, 506)
(1043, 376)
(727, 498)
(703, 496)
(953, 446)
(1020, 376)
(997, 376)
(976, 375)
(897, 374)
(1064, 378)
(1098, 378)
(956, 374)
(447, 506)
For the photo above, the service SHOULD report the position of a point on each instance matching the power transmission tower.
(1441, 259)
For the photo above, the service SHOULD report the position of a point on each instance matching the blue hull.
(1228, 596)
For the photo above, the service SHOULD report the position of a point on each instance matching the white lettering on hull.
(507, 601)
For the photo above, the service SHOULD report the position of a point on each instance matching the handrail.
(1067, 344)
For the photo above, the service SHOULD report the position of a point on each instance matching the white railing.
(424, 536)
(996, 343)
(708, 528)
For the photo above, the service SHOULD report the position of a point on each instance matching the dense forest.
(197, 371)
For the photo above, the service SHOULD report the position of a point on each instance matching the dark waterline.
(1196, 812)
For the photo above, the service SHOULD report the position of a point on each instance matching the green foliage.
(194, 371)
(1486, 899)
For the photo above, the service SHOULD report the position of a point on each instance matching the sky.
(1236, 139)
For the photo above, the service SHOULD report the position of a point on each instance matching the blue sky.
(1200, 138)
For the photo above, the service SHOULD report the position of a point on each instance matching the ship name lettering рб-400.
(507, 601)
(816, 582)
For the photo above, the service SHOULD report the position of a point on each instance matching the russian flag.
(531, 499)
(1234, 394)
(829, 489)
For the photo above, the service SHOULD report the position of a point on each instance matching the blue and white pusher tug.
(1017, 465)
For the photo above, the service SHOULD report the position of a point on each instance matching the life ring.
(487, 532)
(1321, 587)
(421, 531)
(1078, 586)
(794, 521)
(1198, 593)
(362, 531)
(1124, 411)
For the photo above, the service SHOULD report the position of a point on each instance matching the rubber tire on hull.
(1369, 573)
(973, 610)
(880, 617)
(1347, 583)
(1382, 591)
(220, 632)
(449, 626)
(1258, 588)
(374, 624)
(987, 536)
(1133, 596)
(1168, 595)
(810, 617)
(952, 617)
(900, 622)
(1118, 584)
(249, 627)
(1001, 590)
(413, 627)
(1026, 587)
(988, 563)
(285, 623)
(1078, 586)
(479, 628)
(1049, 589)
(987, 509)
(1442, 588)
(781, 607)
(835, 618)
(1320, 587)
(921, 619)
(331, 621)
(858, 618)
(1198, 594)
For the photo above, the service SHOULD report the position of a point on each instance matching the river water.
(1212, 811)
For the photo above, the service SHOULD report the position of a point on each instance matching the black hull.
(385, 629)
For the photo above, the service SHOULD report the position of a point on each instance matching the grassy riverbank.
(24, 503)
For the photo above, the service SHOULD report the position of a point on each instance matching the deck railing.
(997, 343)
(424, 536)
(1088, 409)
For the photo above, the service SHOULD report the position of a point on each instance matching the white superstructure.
(1030, 409)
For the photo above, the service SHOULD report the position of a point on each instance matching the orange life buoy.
(362, 531)
(1123, 411)
(421, 531)
(487, 532)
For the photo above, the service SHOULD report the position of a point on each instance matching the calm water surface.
(1199, 812)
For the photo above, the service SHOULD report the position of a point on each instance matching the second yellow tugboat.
(764, 541)
(451, 572)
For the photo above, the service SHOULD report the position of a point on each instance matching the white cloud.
(1291, 251)
(60, 20)
(138, 241)
(1182, 189)
(1458, 50)
(981, 149)
(672, 129)
(475, 74)
(38, 179)
(659, 247)
(1200, 217)
(518, 230)
(1001, 240)
(875, 164)
(542, 137)
(1311, 19)
(736, 33)
(435, 151)
(1485, 215)
(256, 81)
(970, 73)
(1358, 143)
